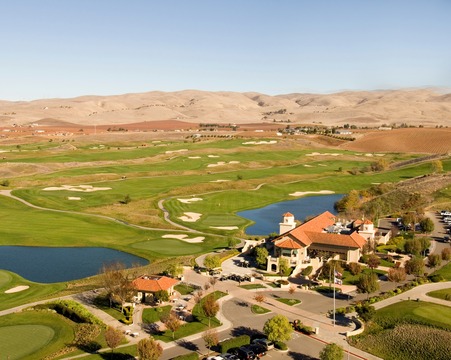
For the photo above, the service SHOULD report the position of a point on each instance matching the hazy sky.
(66, 48)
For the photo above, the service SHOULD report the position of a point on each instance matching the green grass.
(33, 335)
(184, 289)
(445, 272)
(349, 279)
(290, 302)
(252, 286)
(444, 294)
(35, 291)
(152, 315)
(415, 312)
(257, 309)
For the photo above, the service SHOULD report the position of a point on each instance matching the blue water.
(267, 219)
(50, 265)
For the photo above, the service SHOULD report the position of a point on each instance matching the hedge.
(237, 342)
(190, 356)
(280, 345)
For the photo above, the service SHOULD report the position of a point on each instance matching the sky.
(68, 48)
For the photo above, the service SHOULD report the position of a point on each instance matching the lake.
(50, 265)
(267, 218)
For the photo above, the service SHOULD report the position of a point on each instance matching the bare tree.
(113, 337)
(111, 277)
(291, 290)
(210, 307)
(211, 339)
(259, 298)
(213, 282)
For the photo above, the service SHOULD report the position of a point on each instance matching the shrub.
(282, 282)
(307, 271)
(354, 268)
(71, 310)
(436, 278)
(280, 345)
(226, 345)
(366, 311)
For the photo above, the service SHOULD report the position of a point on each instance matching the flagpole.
(334, 294)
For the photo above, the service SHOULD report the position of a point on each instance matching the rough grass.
(152, 315)
(444, 294)
(445, 272)
(290, 302)
(409, 330)
(257, 309)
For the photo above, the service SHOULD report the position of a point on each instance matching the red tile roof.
(154, 283)
(288, 243)
(287, 214)
(312, 231)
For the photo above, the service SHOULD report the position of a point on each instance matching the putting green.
(169, 247)
(22, 340)
(5, 278)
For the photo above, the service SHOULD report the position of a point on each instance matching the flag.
(338, 281)
(337, 274)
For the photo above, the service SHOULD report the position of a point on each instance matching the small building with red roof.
(146, 286)
(320, 238)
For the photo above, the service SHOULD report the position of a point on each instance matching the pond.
(50, 265)
(267, 218)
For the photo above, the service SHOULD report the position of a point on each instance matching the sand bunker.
(219, 163)
(80, 188)
(184, 237)
(74, 198)
(322, 192)
(187, 201)
(308, 165)
(213, 156)
(175, 151)
(219, 180)
(193, 157)
(17, 289)
(225, 227)
(190, 217)
(260, 142)
(325, 154)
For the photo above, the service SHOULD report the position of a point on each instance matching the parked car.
(258, 349)
(229, 356)
(244, 353)
(269, 345)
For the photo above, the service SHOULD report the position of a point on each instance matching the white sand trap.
(369, 155)
(219, 181)
(322, 165)
(260, 142)
(17, 289)
(190, 217)
(324, 154)
(213, 156)
(175, 151)
(220, 163)
(322, 192)
(74, 198)
(184, 237)
(187, 201)
(308, 165)
(80, 188)
(225, 227)
(193, 157)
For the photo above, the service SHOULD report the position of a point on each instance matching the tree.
(174, 270)
(434, 260)
(291, 290)
(437, 166)
(211, 339)
(259, 298)
(354, 268)
(283, 266)
(212, 261)
(127, 199)
(161, 295)
(414, 266)
(373, 262)
(232, 242)
(427, 225)
(446, 254)
(396, 275)
(331, 351)
(413, 247)
(261, 256)
(172, 323)
(367, 283)
(149, 349)
(115, 281)
(213, 282)
(278, 328)
(425, 243)
(379, 165)
(113, 337)
(210, 307)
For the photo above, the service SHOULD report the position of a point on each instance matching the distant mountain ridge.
(425, 107)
